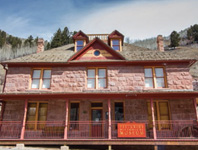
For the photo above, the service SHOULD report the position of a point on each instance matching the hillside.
(13, 47)
(151, 42)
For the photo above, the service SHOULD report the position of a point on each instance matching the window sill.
(38, 90)
(94, 90)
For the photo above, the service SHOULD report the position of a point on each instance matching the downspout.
(5, 67)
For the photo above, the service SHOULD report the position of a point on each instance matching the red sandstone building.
(99, 91)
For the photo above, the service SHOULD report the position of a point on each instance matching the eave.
(189, 62)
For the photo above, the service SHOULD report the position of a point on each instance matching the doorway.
(96, 119)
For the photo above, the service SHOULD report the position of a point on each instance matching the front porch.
(167, 121)
(101, 130)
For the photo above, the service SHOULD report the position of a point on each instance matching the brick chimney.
(160, 43)
(40, 45)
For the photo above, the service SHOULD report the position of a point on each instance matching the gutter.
(5, 67)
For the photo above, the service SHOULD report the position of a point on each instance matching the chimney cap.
(40, 40)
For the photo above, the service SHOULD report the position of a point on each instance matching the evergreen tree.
(65, 35)
(2, 38)
(36, 40)
(174, 37)
(56, 40)
(48, 46)
(29, 41)
(192, 33)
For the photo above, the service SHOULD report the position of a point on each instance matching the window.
(41, 79)
(37, 111)
(154, 77)
(161, 112)
(79, 45)
(96, 78)
(119, 111)
(116, 44)
(74, 116)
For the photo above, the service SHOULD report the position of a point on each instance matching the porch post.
(195, 105)
(66, 119)
(153, 120)
(24, 120)
(109, 119)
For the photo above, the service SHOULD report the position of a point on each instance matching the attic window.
(79, 44)
(96, 53)
(116, 44)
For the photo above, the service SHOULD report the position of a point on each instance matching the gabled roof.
(130, 52)
(115, 35)
(101, 43)
(81, 36)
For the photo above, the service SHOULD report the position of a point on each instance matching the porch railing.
(87, 129)
(10, 129)
(178, 129)
(44, 129)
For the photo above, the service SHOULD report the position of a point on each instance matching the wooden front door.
(96, 127)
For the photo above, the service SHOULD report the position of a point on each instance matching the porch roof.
(105, 94)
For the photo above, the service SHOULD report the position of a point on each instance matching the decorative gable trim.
(81, 36)
(115, 35)
(80, 53)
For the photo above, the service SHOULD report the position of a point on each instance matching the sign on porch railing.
(131, 130)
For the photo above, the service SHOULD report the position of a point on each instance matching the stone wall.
(18, 79)
(182, 109)
(70, 79)
(136, 110)
(127, 78)
(179, 77)
(14, 110)
(56, 110)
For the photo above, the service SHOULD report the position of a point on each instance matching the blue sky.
(137, 19)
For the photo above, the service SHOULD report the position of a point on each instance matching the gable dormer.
(115, 40)
(96, 50)
(80, 40)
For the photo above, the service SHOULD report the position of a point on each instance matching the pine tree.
(48, 46)
(29, 41)
(65, 35)
(56, 40)
(36, 40)
(192, 33)
(174, 37)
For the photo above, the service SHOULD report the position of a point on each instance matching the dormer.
(115, 40)
(80, 40)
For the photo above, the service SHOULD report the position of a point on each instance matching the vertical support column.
(153, 120)
(109, 119)
(155, 147)
(66, 119)
(195, 105)
(24, 120)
